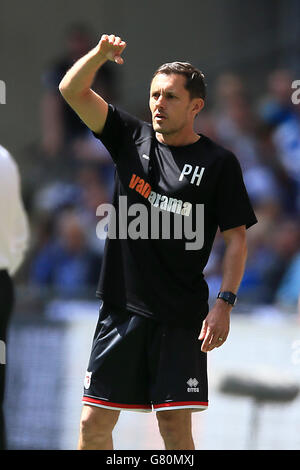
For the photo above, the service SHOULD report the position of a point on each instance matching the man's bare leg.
(96, 426)
(175, 427)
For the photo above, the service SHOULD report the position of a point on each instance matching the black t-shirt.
(199, 186)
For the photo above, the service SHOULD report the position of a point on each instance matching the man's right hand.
(75, 86)
(111, 47)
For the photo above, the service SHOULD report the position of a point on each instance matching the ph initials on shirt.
(197, 175)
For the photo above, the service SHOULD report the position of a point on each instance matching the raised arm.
(76, 85)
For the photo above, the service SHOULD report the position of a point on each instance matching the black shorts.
(137, 363)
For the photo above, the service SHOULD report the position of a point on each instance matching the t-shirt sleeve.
(233, 206)
(120, 130)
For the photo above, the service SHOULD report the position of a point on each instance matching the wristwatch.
(228, 297)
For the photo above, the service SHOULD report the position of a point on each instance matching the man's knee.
(174, 423)
(97, 423)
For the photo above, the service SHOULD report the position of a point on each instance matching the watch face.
(228, 297)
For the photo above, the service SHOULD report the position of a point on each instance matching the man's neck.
(177, 140)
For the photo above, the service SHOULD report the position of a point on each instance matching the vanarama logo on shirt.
(131, 221)
(166, 203)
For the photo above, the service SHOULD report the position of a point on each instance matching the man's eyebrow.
(156, 90)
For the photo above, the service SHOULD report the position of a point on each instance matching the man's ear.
(198, 105)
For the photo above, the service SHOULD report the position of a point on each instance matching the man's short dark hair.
(195, 83)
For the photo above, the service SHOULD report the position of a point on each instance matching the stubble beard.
(163, 131)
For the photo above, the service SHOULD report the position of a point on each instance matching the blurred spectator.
(274, 242)
(93, 193)
(61, 127)
(56, 196)
(276, 106)
(83, 196)
(277, 109)
(65, 263)
(235, 121)
(288, 292)
(235, 125)
(274, 259)
(281, 190)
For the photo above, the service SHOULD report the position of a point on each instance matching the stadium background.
(249, 53)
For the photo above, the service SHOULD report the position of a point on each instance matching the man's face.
(171, 106)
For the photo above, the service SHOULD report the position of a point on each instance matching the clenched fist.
(111, 48)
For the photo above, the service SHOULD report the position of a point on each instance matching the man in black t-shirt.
(173, 190)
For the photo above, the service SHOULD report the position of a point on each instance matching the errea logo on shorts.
(192, 385)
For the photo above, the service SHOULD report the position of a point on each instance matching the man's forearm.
(80, 76)
(75, 87)
(234, 262)
(215, 327)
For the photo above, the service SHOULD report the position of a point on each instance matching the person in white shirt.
(14, 237)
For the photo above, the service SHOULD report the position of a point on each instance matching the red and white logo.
(87, 379)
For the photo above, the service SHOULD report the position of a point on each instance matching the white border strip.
(142, 410)
(195, 407)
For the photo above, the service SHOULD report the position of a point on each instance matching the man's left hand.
(215, 327)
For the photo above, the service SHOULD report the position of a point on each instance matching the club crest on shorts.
(87, 379)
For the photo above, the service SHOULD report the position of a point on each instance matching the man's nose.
(160, 102)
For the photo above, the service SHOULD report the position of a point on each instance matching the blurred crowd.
(68, 174)
(264, 133)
